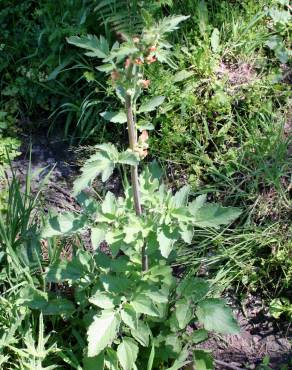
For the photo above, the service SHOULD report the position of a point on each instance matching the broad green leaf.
(63, 224)
(183, 313)
(33, 298)
(203, 360)
(196, 204)
(181, 196)
(127, 353)
(102, 332)
(214, 215)
(59, 306)
(104, 300)
(187, 233)
(142, 333)
(109, 205)
(97, 235)
(182, 75)
(116, 284)
(65, 270)
(280, 16)
(216, 316)
(215, 40)
(115, 117)
(97, 47)
(129, 157)
(173, 345)
(157, 296)
(199, 336)
(151, 104)
(166, 241)
(111, 360)
(143, 304)
(181, 361)
(94, 363)
(193, 287)
(129, 316)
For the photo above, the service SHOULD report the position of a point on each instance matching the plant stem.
(132, 133)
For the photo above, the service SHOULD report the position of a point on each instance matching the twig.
(233, 367)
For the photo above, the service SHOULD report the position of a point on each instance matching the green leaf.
(183, 313)
(102, 332)
(106, 68)
(104, 300)
(109, 205)
(170, 24)
(127, 353)
(65, 270)
(143, 304)
(182, 75)
(59, 306)
(33, 298)
(111, 360)
(97, 47)
(198, 336)
(203, 360)
(94, 363)
(214, 315)
(215, 40)
(214, 215)
(63, 224)
(181, 196)
(115, 117)
(151, 104)
(101, 163)
(97, 235)
(129, 157)
(193, 287)
(181, 361)
(166, 241)
(142, 333)
(151, 358)
(129, 316)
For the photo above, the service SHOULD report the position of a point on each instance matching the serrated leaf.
(214, 215)
(182, 75)
(111, 360)
(151, 104)
(66, 223)
(115, 117)
(98, 47)
(183, 313)
(129, 157)
(65, 270)
(97, 235)
(181, 196)
(129, 316)
(216, 316)
(127, 353)
(109, 205)
(33, 298)
(193, 287)
(142, 333)
(143, 304)
(215, 40)
(103, 300)
(166, 241)
(199, 336)
(203, 360)
(102, 332)
(59, 306)
(105, 68)
(169, 24)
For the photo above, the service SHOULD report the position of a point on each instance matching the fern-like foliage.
(126, 16)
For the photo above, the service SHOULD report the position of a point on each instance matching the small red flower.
(152, 48)
(144, 83)
(151, 59)
(138, 61)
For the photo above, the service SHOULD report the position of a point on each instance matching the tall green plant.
(135, 309)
